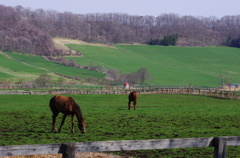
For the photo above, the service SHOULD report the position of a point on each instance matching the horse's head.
(82, 126)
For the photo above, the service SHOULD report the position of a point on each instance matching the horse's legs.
(135, 103)
(129, 105)
(73, 123)
(63, 119)
(55, 114)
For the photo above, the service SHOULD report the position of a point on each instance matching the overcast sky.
(206, 8)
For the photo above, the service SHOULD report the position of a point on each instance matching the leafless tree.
(143, 74)
(43, 80)
(112, 74)
(224, 79)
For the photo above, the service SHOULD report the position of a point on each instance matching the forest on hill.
(27, 31)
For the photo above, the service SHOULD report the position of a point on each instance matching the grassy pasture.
(10, 69)
(50, 66)
(198, 66)
(26, 119)
(174, 66)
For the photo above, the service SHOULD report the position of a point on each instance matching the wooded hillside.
(24, 30)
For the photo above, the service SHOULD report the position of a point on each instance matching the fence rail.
(193, 91)
(69, 150)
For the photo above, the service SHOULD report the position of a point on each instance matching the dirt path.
(78, 155)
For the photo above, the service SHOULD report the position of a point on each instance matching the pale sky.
(205, 8)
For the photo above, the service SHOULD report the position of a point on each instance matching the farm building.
(126, 85)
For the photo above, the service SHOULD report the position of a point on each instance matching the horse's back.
(136, 95)
(61, 104)
(133, 96)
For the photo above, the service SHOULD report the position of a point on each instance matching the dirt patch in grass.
(60, 43)
(78, 155)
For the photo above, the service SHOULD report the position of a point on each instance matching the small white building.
(126, 85)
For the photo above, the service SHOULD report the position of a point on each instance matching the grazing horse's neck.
(78, 114)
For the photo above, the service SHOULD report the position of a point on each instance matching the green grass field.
(12, 70)
(26, 119)
(52, 67)
(168, 66)
(197, 66)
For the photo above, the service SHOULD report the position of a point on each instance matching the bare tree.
(71, 63)
(43, 80)
(224, 79)
(143, 74)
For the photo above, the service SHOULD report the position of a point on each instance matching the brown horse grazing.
(67, 106)
(133, 96)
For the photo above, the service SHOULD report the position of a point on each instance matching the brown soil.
(78, 155)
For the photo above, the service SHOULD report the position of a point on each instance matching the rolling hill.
(13, 70)
(29, 67)
(197, 66)
(168, 66)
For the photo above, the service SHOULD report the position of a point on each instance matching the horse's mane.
(76, 106)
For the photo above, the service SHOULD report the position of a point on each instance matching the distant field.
(5, 75)
(168, 66)
(12, 70)
(26, 119)
(197, 66)
(48, 66)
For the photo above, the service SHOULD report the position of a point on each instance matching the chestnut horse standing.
(67, 106)
(133, 96)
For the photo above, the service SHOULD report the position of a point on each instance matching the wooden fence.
(69, 150)
(190, 91)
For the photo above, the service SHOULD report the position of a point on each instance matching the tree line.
(19, 35)
(30, 31)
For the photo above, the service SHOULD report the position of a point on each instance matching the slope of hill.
(175, 66)
(197, 66)
(13, 70)
(29, 67)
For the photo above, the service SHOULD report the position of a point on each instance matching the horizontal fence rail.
(70, 149)
(193, 91)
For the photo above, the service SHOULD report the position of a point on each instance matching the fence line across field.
(69, 150)
(193, 91)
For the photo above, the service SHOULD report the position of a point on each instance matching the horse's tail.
(133, 96)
